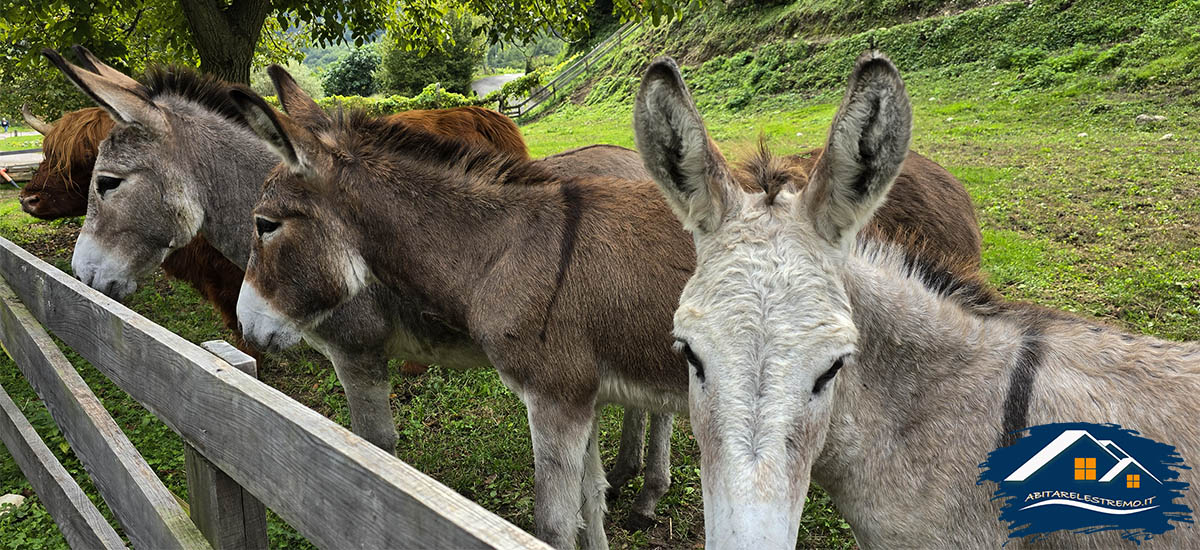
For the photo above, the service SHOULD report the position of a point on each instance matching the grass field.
(18, 143)
(1081, 209)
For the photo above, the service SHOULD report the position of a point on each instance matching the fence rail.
(335, 488)
(569, 74)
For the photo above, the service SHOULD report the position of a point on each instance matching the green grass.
(20, 142)
(1103, 224)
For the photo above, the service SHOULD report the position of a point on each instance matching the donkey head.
(301, 266)
(138, 209)
(765, 322)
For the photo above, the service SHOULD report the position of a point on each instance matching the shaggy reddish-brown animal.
(59, 188)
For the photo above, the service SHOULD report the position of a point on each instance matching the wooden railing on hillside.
(569, 73)
(249, 444)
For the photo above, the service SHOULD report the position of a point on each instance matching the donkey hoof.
(612, 493)
(638, 521)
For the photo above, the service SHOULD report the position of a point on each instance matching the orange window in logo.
(1133, 481)
(1085, 469)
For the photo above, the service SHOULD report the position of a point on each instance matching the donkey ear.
(127, 103)
(868, 142)
(298, 104)
(677, 151)
(270, 128)
(92, 63)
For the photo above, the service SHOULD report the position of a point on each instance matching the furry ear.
(868, 141)
(677, 151)
(125, 100)
(92, 63)
(266, 122)
(295, 101)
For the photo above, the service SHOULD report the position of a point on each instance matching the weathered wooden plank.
(228, 515)
(147, 511)
(78, 519)
(332, 486)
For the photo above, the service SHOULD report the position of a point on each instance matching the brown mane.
(360, 135)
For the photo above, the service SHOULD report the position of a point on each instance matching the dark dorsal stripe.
(1020, 386)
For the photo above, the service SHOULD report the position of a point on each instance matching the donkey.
(59, 190)
(816, 350)
(565, 285)
(163, 140)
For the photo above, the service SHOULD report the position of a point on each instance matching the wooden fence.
(248, 444)
(569, 74)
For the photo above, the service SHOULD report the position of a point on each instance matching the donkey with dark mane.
(819, 350)
(565, 285)
(160, 143)
(59, 190)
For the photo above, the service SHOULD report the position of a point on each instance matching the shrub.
(451, 63)
(353, 74)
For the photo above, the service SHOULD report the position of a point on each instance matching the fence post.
(228, 515)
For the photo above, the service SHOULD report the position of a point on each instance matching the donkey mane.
(767, 173)
(939, 274)
(363, 135)
(74, 139)
(205, 89)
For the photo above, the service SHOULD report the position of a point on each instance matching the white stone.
(10, 502)
(1144, 119)
(1081, 134)
(1167, 137)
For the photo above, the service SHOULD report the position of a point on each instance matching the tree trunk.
(225, 37)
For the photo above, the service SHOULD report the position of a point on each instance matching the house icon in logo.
(1089, 459)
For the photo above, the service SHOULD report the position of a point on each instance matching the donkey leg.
(629, 454)
(658, 472)
(594, 488)
(560, 442)
(365, 379)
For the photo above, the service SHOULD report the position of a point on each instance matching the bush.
(431, 97)
(451, 63)
(353, 74)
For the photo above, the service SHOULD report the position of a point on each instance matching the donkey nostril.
(240, 329)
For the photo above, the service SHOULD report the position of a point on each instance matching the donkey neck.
(448, 232)
(921, 404)
(226, 164)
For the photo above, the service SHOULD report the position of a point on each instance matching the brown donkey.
(164, 143)
(566, 285)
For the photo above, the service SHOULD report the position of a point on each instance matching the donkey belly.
(456, 353)
(617, 389)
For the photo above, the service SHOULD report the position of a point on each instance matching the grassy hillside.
(1032, 107)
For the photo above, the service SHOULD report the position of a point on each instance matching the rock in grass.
(1167, 137)
(10, 502)
(1144, 119)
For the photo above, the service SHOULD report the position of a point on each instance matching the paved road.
(489, 84)
(20, 158)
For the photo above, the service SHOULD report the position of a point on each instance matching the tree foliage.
(353, 74)
(452, 63)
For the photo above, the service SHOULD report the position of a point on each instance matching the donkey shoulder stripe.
(1020, 385)
(572, 214)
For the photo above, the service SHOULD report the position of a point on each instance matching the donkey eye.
(694, 361)
(265, 226)
(104, 184)
(828, 375)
